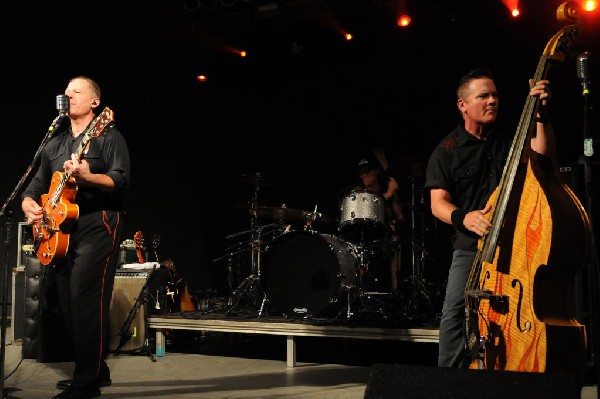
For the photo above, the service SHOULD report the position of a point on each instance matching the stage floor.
(237, 354)
(232, 365)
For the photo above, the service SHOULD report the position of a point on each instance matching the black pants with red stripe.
(85, 280)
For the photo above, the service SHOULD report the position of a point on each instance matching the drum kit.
(302, 272)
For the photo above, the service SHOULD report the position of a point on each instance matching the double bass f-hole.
(527, 325)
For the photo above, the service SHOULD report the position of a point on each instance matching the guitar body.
(186, 301)
(52, 231)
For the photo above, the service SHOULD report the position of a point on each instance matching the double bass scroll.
(518, 298)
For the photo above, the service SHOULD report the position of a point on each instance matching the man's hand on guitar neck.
(32, 210)
(78, 169)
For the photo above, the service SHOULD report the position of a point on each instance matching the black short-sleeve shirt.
(469, 169)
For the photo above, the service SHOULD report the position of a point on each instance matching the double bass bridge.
(498, 303)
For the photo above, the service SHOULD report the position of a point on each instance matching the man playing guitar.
(97, 175)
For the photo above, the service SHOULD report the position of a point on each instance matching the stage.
(290, 328)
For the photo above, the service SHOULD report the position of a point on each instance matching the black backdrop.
(300, 109)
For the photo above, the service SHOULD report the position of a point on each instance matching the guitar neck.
(87, 136)
(59, 188)
(96, 128)
(66, 176)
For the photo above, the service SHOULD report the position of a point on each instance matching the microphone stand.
(5, 229)
(593, 281)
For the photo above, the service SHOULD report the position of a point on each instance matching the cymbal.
(292, 215)
(281, 213)
(409, 167)
(249, 205)
(255, 179)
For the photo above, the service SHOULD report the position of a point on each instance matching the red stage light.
(403, 20)
(590, 5)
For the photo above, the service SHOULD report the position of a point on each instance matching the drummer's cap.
(367, 164)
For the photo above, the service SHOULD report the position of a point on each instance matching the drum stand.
(367, 302)
(418, 302)
(250, 288)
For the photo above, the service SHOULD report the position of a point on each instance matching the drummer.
(374, 179)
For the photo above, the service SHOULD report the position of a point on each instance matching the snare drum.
(362, 216)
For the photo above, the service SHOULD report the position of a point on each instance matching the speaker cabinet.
(128, 311)
(137, 294)
(387, 381)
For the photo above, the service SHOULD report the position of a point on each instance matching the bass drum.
(308, 274)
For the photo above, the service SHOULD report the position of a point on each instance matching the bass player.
(462, 172)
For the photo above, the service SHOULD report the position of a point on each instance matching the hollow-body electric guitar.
(51, 233)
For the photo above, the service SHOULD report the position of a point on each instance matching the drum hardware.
(418, 293)
(374, 300)
(368, 255)
(250, 289)
(291, 216)
(373, 306)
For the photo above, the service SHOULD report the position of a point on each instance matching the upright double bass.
(519, 295)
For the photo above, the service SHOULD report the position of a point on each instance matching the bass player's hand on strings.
(476, 221)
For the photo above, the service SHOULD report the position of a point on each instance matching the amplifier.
(136, 294)
(124, 325)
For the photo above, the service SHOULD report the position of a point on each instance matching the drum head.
(303, 273)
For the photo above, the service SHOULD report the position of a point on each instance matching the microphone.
(583, 71)
(62, 103)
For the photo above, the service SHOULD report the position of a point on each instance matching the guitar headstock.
(138, 240)
(156, 241)
(156, 245)
(101, 122)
